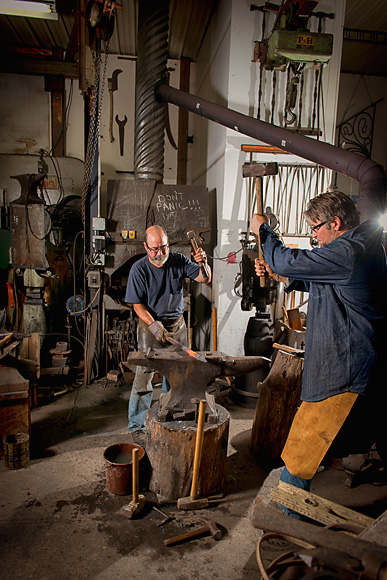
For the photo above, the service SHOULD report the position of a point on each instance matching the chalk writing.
(174, 202)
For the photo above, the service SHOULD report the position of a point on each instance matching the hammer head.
(212, 527)
(259, 169)
(191, 235)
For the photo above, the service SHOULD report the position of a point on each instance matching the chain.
(316, 82)
(273, 97)
(300, 99)
(95, 122)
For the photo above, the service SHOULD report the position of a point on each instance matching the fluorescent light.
(31, 9)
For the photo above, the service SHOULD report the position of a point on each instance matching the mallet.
(192, 502)
(138, 501)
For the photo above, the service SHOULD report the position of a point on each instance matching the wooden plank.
(316, 507)
(272, 520)
(377, 531)
(262, 149)
(38, 67)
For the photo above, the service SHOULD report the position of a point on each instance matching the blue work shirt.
(347, 283)
(160, 290)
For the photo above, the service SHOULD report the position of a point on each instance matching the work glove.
(158, 330)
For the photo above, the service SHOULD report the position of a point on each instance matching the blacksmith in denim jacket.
(345, 347)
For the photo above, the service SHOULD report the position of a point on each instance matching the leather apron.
(314, 428)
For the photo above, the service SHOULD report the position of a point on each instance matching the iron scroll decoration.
(356, 133)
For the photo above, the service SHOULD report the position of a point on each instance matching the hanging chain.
(316, 81)
(273, 97)
(95, 122)
(300, 99)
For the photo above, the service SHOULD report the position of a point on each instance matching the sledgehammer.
(138, 501)
(192, 502)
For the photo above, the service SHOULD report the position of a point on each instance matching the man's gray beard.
(160, 260)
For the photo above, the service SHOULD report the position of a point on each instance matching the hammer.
(192, 502)
(192, 238)
(258, 170)
(138, 501)
(209, 527)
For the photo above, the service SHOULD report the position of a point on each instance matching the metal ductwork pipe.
(152, 54)
(371, 175)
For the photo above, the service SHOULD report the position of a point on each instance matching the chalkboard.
(133, 205)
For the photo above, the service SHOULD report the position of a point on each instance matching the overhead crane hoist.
(292, 46)
(290, 40)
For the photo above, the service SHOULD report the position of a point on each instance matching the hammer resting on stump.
(192, 502)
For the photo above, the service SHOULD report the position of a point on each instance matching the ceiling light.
(31, 9)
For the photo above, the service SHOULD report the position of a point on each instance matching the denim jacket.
(347, 284)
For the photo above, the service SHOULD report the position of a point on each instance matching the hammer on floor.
(208, 527)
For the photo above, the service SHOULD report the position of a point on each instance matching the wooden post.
(214, 330)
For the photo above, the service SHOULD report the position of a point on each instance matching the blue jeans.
(141, 398)
(287, 477)
(142, 389)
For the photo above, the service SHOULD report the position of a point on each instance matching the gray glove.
(158, 330)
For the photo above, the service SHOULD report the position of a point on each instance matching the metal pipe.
(370, 175)
(152, 54)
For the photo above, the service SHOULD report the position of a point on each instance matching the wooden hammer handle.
(187, 536)
(198, 449)
(259, 196)
(195, 248)
(135, 475)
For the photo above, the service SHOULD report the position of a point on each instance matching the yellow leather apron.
(314, 427)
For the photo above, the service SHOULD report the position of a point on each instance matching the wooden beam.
(182, 146)
(261, 149)
(38, 67)
(56, 86)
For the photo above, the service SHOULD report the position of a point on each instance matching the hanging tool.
(121, 124)
(209, 527)
(194, 243)
(112, 86)
(138, 501)
(186, 349)
(192, 502)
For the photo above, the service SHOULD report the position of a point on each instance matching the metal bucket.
(118, 460)
(16, 450)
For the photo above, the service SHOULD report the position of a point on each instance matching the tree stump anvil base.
(171, 447)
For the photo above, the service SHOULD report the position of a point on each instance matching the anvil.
(189, 377)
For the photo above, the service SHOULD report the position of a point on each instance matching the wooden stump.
(278, 399)
(170, 448)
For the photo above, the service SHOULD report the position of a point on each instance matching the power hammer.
(194, 242)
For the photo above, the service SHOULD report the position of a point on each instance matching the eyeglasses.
(318, 226)
(161, 249)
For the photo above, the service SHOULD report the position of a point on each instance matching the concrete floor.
(60, 522)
